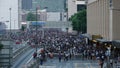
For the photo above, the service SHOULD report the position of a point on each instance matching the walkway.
(75, 63)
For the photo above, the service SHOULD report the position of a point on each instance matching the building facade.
(51, 5)
(74, 6)
(6, 14)
(43, 15)
(103, 18)
(2, 26)
(55, 10)
(26, 4)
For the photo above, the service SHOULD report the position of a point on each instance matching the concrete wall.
(72, 8)
(91, 1)
(53, 16)
(98, 17)
(116, 19)
(26, 4)
(5, 13)
(46, 16)
(103, 17)
(2, 26)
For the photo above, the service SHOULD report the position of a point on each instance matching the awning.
(81, 36)
(87, 36)
(116, 43)
(103, 40)
(37, 23)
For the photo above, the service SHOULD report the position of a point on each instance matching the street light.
(10, 19)
(36, 42)
(10, 38)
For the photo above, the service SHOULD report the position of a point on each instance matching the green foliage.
(31, 17)
(1, 46)
(79, 21)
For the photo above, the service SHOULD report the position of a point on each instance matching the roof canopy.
(37, 23)
(116, 43)
(102, 40)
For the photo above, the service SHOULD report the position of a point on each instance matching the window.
(110, 3)
(81, 7)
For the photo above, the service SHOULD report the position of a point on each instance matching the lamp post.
(10, 20)
(10, 39)
(36, 42)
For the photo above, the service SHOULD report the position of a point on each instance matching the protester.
(34, 55)
(54, 40)
(60, 57)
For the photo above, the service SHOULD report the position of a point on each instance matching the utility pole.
(36, 42)
(10, 40)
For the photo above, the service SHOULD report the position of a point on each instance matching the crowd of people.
(57, 41)
(66, 45)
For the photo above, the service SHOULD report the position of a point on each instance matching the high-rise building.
(74, 6)
(2, 26)
(55, 9)
(26, 4)
(51, 5)
(103, 18)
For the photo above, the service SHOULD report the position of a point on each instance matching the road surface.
(23, 59)
(75, 63)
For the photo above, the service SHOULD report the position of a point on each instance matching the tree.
(79, 21)
(31, 17)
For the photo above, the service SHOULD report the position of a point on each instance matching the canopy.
(102, 40)
(87, 36)
(37, 23)
(116, 43)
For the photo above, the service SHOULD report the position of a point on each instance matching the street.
(74, 63)
(23, 59)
